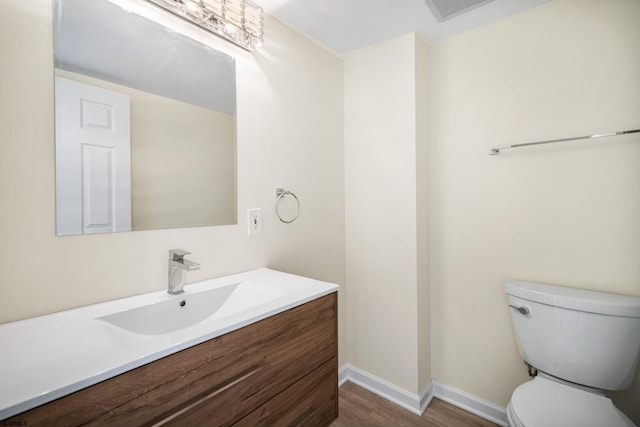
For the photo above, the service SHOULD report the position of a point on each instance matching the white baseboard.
(471, 403)
(418, 403)
(343, 376)
(410, 401)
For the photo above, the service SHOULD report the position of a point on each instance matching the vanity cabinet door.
(215, 383)
(312, 401)
(293, 347)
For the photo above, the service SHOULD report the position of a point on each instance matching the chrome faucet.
(177, 266)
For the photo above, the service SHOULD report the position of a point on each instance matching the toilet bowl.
(547, 403)
(580, 343)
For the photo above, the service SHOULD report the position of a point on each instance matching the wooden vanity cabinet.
(279, 371)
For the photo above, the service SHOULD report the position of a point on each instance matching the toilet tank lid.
(575, 299)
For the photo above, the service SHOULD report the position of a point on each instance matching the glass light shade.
(239, 21)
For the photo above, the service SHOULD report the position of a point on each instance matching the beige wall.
(290, 134)
(383, 203)
(564, 213)
(183, 162)
(423, 299)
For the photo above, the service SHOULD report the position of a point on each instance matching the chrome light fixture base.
(239, 21)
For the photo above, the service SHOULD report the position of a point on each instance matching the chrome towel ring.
(280, 193)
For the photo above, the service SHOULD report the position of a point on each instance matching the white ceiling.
(346, 25)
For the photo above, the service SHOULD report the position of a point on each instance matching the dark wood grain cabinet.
(279, 371)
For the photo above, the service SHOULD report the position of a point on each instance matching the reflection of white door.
(93, 159)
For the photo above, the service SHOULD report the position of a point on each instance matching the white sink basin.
(47, 357)
(180, 312)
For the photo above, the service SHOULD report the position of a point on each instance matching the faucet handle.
(178, 254)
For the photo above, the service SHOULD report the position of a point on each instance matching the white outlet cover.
(254, 221)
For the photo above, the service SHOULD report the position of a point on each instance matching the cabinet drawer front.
(229, 375)
(312, 401)
(292, 348)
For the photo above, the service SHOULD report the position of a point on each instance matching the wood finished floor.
(360, 407)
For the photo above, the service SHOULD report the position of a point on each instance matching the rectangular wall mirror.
(145, 123)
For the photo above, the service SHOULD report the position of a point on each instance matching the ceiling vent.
(447, 9)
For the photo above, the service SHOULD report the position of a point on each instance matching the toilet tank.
(589, 338)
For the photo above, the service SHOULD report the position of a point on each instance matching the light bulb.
(193, 7)
(230, 28)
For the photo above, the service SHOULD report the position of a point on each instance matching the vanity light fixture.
(239, 21)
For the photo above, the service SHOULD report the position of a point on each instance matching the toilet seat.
(542, 403)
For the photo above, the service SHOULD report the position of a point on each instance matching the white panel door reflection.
(93, 159)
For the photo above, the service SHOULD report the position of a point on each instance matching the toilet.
(577, 343)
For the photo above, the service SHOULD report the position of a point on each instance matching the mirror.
(145, 124)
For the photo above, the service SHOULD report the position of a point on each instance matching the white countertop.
(47, 357)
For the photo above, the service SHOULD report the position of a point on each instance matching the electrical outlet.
(254, 221)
